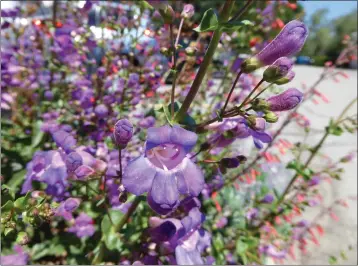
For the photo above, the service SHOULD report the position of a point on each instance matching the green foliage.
(209, 22)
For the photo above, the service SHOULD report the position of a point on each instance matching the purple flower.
(19, 258)
(271, 251)
(287, 43)
(314, 181)
(221, 223)
(268, 199)
(188, 11)
(73, 161)
(83, 226)
(163, 170)
(123, 132)
(64, 140)
(48, 95)
(278, 69)
(252, 214)
(101, 111)
(147, 122)
(182, 236)
(71, 204)
(285, 101)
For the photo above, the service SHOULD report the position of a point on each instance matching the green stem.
(250, 94)
(224, 16)
(174, 61)
(231, 91)
(128, 214)
(260, 93)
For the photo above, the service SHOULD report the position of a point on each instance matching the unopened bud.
(251, 120)
(168, 14)
(190, 51)
(123, 197)
(165, 51)
(250, 65)
(188, 11)
(260, 105)
(290, 76)
(271, 117)
(123, 132)
(278, 69)
(22, 238)
(229, 162)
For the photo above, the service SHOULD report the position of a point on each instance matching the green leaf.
(8, 206)
(8, 231)
(235, 25)
(21, 203)
(17, 179)
(38, 134)
(209, 22)
(241, 247)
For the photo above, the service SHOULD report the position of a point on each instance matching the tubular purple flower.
(163, 170)
(147, 122)
(64, 140)
(188, 11)
(268, 199)
(287, 43)
(123, 132)
(285, 101)
(71, 204)
(278, 69)
(73, 161)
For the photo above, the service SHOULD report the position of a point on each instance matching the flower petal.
(138, 176)
(193, 176)
(164, 188)
(183, 137)
(162, 209)
(157, 136)
(184, 257)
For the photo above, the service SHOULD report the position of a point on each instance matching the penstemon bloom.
(164, 170)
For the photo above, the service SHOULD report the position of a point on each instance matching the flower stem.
(260, 93)
(224, 16)
(179, 31)
(250, 94)
(231, 91)
(174, 62)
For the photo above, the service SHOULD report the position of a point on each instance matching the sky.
(335, 8)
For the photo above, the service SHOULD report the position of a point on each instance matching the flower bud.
(101, 111)
(285, 101)
(251, 120)
(189, 51)
(229, 162)
(314, 181)
(260, 124)
(167, 14)
(271, 117)
(278, 69)
(268, 199)
(260, 105)
(287, 43)
(188, 11)
(286, 79)
(250, 65)
(123, 132)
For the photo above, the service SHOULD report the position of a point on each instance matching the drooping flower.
(285, 101)
(83, 226)
(184, 237)
(163, 170)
